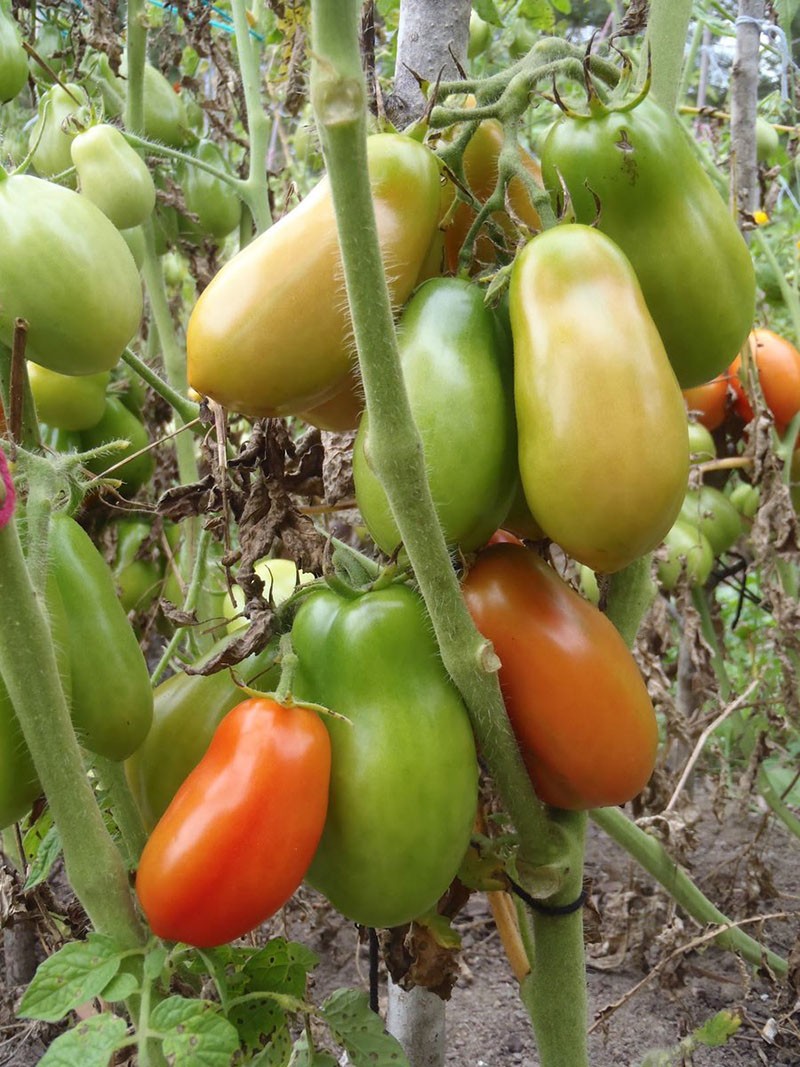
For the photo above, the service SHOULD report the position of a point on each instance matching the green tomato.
(714, 515)
(67, 401)
(138, 581)
(701, 444)
(118, 423)
(187, 710)
(659, 205)
(404, 774)
(480, 35)
(767, 140)
(64, 269)
(50, 39)
(280, 577)
(215, 202)
(112, 700)
(52, 134)
(110, 88)
(164, 110)
(113, 176)
(13, 58)
(745, 498)
(456, 364)
(687, 551)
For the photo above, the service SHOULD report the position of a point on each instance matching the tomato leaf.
(89, 1044)
(47, 852)
(539, 14)
(194, 1032)
(281, 967)
(277, 1053)
(487, 11)
(79, 971)
(303, 1056)
(120, 987)
(718, 1029)
(360, 1031)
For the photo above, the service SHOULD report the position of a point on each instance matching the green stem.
(776, 803)
(667, 28)
(338, 96)
(123, 806)
(189, 602)
(136, 49)
(700, 601)
(630, 594)
(174, 357)
(691, 59)
(29, 670)
(648, 852)
(254, 190)
(186, 409)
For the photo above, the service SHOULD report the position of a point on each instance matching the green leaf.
(281, 967)
(90, 1044)
(194, 1032)
(360, 1031)
(277, 1053)
(79, 971)
(257, 1021)
(441, 929)
(46, 854)
(538, 13)
(487, 11)
(718, 1029)
(302, 1056)
(154, 961)
(564, 6)
(120, 987)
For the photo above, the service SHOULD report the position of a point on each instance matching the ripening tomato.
(240, 833)
(68, 401)
(777, 362)
(574, 696)
(709, 401)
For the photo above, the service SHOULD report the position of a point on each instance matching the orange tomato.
(777, 362)
(480, 170)
(575, 699)
(709, 401)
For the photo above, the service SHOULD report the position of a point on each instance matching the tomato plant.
(237, 838)
(404, 773)
(596, 399)
(573, 693)
(456, 365)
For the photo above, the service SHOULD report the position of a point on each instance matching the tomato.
(118, 423)
(343, 410)
(13, 58)
(215, 202)
(709, 401)
(658, 204)
(165, 117)
(701, 444)
(271, 335)
(113, 176)
(745, 499)
(238, 836)
(404, 772)
(52, 134)
(480, 35)
(456, 365)
(50, 46)
(767, 140)
(777, 362)
(64, 269)
(187, 710)
(138, 580)
(686, 551)
(480, 170)
(19, 784)
(504, 537)
(112, 700)
(280, 577)
(67, 401)
(714, 515)
(573, 693)
(603, 451)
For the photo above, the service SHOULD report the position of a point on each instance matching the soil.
(749, 865)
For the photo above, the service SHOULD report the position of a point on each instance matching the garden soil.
(637, 958)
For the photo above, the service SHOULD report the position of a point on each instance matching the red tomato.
(709, 401)
(240, 833)
(575, 698)
(504, 537)
(778, 365)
